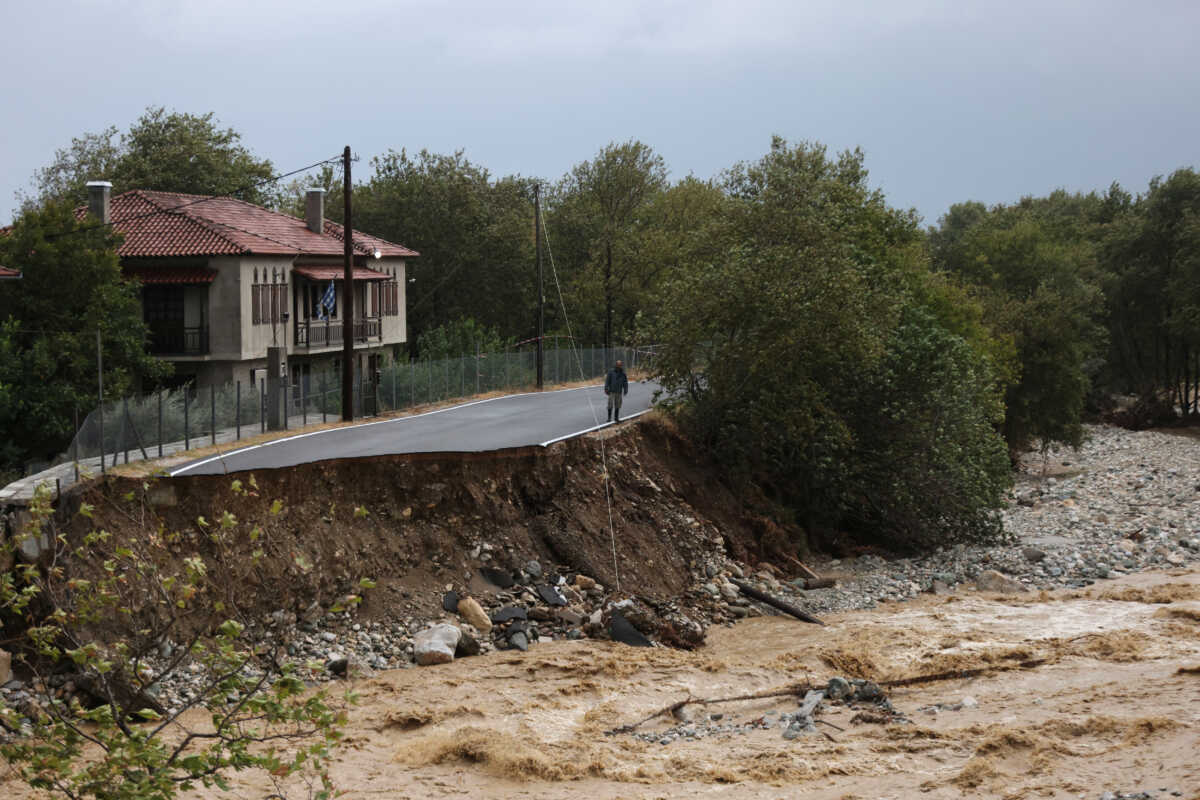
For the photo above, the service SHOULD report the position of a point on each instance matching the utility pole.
(100, 380)
(348, 305)
(537, 244)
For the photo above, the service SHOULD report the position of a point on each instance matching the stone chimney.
(99, 193)
(314, 210)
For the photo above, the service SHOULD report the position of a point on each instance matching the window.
(268, 302)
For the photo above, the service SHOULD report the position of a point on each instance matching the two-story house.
(223, 280)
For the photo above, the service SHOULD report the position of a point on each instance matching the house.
(7, 274)
(223, 280)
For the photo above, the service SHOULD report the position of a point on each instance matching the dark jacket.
(616, 382)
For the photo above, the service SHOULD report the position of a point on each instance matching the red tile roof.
(339, 273)
(174, 224)
(5, 272)
(171, 275)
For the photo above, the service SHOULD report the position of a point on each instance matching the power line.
(206, 199)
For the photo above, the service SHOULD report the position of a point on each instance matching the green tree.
(119, 615)
(1152, 256)
(1033, 267)
(163, 151)
(474, 233)
(71, 288)
(599, 221)
(462, 337)
(805, 338)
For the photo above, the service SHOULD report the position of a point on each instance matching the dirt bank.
(420, 523)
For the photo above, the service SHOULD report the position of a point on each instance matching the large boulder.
(470, 610)
(436, 645)
(992, 581)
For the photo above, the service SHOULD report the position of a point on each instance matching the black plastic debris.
(450, 602)
(551, 595)
(622, 630)
(497, 577)
(509, 613)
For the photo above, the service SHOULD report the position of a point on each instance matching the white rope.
(612, 536)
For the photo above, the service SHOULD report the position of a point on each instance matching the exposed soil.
(433, 521)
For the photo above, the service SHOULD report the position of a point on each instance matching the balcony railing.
(313, 333)
(176, 340)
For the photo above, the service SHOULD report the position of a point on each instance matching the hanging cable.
(612, 536)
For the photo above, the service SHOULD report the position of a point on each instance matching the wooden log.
(803, 567)
(774, 602)
(820, 583)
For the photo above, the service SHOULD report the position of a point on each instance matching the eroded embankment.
(434, 520)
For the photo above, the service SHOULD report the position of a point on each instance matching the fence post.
(323, 417)
(237, 415)
(286, 380)
(160, 433)
(75, 444)
(412, 383)
(476, 366)
(212, 410)
(303, 402)
(100, 380)
(394, 371)
(429, 386)
(187, 439)
(124, 419)
(262, 405)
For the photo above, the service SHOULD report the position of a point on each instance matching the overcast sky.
(951, 101)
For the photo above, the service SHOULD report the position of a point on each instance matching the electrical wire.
(612, 535)
(205, 199)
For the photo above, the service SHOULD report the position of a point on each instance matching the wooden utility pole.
(537, 244)
(348, 304)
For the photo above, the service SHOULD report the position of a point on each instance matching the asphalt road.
(537, 418)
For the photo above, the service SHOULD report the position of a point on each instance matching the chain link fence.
(175, 420)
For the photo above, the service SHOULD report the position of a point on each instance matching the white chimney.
(99, 193)
(314, 210)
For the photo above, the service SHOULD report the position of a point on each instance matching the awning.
(338, 273)
(171, 275)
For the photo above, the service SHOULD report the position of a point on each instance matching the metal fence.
(170, 421)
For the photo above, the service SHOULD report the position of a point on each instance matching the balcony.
(312, 334)
(168, 339)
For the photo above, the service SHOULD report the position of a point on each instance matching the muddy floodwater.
(1086, 692)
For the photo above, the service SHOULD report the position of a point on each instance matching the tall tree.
(600, 209)
(164, 151)
(71, 288)
(803, 346)
(474, 233)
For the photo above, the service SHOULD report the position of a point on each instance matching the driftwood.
(962, 673)
(803, 567)
(774, 602)
(790, 691)
(820, 583)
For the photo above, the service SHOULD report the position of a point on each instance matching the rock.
(450, 601)
(1176, 559)
(551, 595)
(519, 640)
(436, 645)
(838, 688)
(470, 610)
(509, 613)
(534, 569)
(569, 617)
(969, 702)
(710, 571)
(5, 666)
(1033, 555)
(497, 577)
(992, 581)
(338, 666)
(467, 645)
(622, 630)
(584, 583)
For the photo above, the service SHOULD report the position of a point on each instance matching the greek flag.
(328, 303)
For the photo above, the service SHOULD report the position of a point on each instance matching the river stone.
(5, 666)
(838, 688)
(992, 581)
(470, 610)
(534, 569)
(1033, 555)
(436, 645)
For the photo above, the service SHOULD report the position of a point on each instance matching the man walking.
(616, 386)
